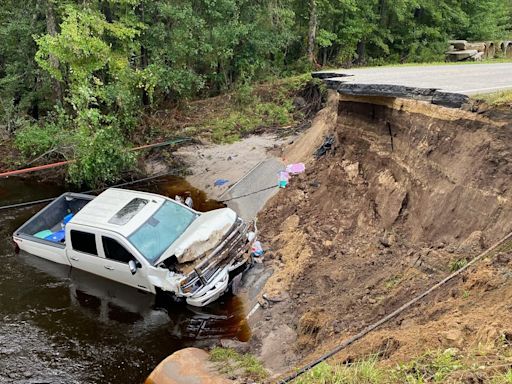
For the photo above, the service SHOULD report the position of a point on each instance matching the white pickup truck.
(143, 240)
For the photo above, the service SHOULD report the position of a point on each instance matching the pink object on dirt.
(295, 168)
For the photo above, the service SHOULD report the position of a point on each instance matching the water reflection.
(110, 302)
(62, 325)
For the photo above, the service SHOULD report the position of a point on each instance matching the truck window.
(115, 251)
(161, 230)
(84, 242)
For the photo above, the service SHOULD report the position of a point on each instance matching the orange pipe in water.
(60, 163)
(33, 169)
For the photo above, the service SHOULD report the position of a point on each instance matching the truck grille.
(230, 251)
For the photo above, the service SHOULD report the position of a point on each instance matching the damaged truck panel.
(143, 240)
(201, 236)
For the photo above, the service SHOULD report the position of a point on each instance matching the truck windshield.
(161, 230)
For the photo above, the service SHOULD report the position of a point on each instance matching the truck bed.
(47, 226)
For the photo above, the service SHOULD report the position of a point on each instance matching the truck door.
(83, 253)
(117, 257)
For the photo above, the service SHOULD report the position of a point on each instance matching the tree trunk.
(144, 59)
(312, 31)
(361, 52)
(383, 13)
(144, 63)
(105, 5)
(51, 29)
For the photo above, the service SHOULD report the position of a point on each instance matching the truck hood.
(201, 236)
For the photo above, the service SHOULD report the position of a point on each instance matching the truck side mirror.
(133, 267)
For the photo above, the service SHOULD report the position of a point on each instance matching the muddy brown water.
(61, 325)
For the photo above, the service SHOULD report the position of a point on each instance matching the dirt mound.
(403, 199)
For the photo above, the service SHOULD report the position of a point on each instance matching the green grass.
(231, 128)
(448, 366)
(263, 106)
(234, 364)
(497, 98)
(504, 378)
(363, 372)
(458, 264)
(485, 61)
(266, 106)
(392, 282)
(433, 367)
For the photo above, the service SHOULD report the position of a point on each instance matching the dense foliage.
(75, 76)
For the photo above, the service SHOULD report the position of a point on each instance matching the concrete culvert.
(480, 47)
(506, 48)
(499, 48)
(490, 50)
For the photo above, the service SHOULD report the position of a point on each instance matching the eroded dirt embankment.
(409, 192)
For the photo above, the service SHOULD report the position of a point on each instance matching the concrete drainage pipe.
(506, 48)
(490, 50)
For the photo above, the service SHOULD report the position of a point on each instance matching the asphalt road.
(467, 79)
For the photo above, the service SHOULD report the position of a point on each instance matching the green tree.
(23, 85)
(86, 71)
(486, 19)
(93, 51)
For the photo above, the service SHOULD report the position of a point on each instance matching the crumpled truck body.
(143, 240)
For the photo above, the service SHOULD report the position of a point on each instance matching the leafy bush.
(244, 95)
(231, 128)
(10, 118)
(275, 114)
(100, 157)
(294, 84)
(35, 139)
(424, 53)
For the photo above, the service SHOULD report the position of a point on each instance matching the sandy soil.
(384, 216)
(208, 162)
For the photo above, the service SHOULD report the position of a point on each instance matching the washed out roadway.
(250, 194)
(467, 79)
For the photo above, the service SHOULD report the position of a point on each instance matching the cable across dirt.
(345, 343)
